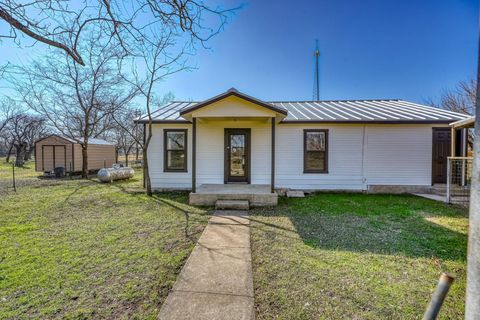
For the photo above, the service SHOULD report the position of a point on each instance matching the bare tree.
(155, 72)
(126, 135)
(459, 99)
(77, 101)
(63, 24)
(6, 112)
(24, 128)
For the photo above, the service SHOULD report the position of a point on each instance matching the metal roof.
(339, 111)
(90, 140)
(465, 123)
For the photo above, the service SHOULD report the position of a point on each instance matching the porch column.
(194, 154)
(453, 140)
(272, 182)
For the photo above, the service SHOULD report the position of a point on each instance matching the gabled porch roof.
(236, 93)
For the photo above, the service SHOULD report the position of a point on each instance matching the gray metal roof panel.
(333, 111)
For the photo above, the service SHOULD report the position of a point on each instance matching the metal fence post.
(449, 177)
(13, 177)
(438, 297)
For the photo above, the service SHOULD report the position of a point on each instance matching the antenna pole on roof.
(316, 85)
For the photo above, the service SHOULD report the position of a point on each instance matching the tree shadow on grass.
(178, 202)
(384, 224)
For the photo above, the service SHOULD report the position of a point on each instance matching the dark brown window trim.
(185, 150)
(305, 170)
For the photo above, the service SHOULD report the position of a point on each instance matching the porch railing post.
(449, 178)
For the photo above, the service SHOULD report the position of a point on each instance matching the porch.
(257, 195)
(459, 164)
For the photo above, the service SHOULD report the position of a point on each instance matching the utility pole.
(472, 305)
(316, 85)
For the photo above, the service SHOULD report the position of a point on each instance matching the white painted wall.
(210, 149)
(168, 180)
(399, 155)
(344, 158)
(359, 155)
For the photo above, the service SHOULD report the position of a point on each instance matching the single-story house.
(357, 145)
(57, 151)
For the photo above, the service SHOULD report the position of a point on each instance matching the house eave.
(162, 121)
(233, 92)
(446, 121)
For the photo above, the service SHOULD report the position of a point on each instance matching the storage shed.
(57, 151)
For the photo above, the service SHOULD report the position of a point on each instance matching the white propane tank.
(115, 173)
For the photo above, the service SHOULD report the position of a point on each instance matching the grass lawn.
(355, 256)
(79, 249)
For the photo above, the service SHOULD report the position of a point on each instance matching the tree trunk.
(28, 154)
(84, 161)
(21, 149)
(136, 152)
(148, 185)
(126, 157)
(472, 304)
(9, 152)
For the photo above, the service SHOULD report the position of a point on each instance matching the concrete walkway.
(216, 281)
(435, 197)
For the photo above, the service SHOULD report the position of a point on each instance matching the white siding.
(344, 158)
(210, 150)
(359, 155)
(399, 155)
(168, 180)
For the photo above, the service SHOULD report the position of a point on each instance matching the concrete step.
(232, 205)
(295, 194)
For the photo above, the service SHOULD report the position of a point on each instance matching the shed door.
(47, 158)
(59, 155)
(441, 151)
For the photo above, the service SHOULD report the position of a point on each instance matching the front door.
(237, 155)
(441, 151)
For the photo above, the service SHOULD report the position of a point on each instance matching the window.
(175, 147)
(315, 151)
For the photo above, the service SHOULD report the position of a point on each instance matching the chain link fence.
(459, 178)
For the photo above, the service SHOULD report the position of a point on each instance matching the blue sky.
(369, 49)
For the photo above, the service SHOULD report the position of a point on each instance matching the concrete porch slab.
(258, 195)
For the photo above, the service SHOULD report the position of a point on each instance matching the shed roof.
(95, 141)
(331, 111)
